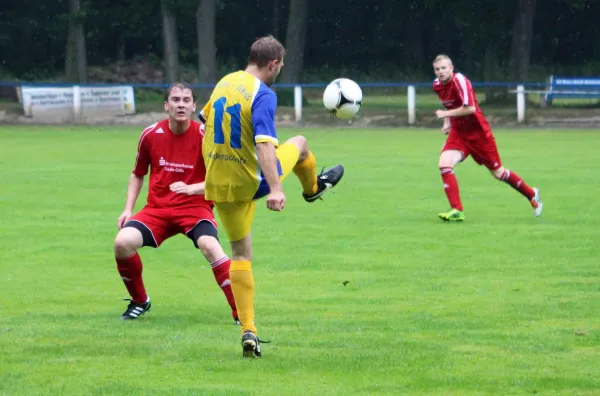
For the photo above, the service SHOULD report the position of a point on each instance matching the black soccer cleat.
(251, 344)
(326, 180)
(135, 310)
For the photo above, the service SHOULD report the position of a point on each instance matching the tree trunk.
(522, 34)
(206, 14)
(295, 40)
(414, 30)
(492, 72)
(121, 55)
(76, 55)
(70, 60)
(171, 50)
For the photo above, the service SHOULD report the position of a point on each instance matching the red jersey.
(457, 93)
(171, 158)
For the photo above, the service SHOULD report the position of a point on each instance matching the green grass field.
(502, 304)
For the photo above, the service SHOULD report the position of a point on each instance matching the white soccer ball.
(343, 98)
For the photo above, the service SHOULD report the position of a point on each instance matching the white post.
(298, 102)
(76, 101)
(411, 93)
(520, 103)
(27, 106)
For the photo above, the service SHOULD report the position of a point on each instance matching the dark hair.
(264, 50)
(180, 85)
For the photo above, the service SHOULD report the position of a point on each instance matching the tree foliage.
(381, 40)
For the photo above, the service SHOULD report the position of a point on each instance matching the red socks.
(451, 188)
(130, 269)
(220, 270)
(453, 193)
(517, 183)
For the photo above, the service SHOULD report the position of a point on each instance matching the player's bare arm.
(460, 112)
(187, 189)
(267, 160)
(446, 126)
(133, 191)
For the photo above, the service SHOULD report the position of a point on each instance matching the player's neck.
(179, 127)
(255, 71)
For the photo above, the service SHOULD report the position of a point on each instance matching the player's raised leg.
(305, 168)
(129, 265)
(204, 235)
(448, 160)
(515, 181)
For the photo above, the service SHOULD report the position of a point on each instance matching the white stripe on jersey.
(464, 88)
(256, 88)
(145, 133)
(267, 137)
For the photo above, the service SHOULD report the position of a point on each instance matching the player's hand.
(276, 201)
(123, 218)
(446, 129)
(440, 114)
(180, 188)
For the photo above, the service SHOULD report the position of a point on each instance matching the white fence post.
(520, 103)
(412, 104)
(298, 102)
(27, 106)
(76, 101)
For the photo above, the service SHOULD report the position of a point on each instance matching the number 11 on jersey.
(235, 126)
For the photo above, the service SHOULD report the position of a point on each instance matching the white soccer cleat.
(536, 203)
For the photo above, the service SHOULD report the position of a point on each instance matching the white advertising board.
(77, 101)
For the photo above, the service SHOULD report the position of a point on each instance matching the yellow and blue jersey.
(239, 114)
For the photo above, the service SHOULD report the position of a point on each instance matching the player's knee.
(127, 242)
(242, 249)
(445, 164)
(210, 247)
(302, 144)
(450, 158)
(204, 245)
(498, 173)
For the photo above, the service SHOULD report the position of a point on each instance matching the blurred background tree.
(79, 40)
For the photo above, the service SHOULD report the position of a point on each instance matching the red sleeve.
(142, 161)
(465, 90)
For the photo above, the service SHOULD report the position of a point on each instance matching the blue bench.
(572, 87)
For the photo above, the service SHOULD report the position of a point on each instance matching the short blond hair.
(441, 57)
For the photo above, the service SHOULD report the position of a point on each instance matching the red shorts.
(164, 223)
(482, 148)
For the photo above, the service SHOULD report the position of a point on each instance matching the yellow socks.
(307, 174)
(242, 286)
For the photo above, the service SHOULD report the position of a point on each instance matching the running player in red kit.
(172, 149)
(468, 134)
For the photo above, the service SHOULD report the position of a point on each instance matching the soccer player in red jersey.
(468, 134)
(172, 149)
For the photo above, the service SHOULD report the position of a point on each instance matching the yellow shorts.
(237, 217)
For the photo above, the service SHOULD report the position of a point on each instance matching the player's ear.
(194, 107)
(166, 105)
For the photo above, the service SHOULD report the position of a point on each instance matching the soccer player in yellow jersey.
(245, 162)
